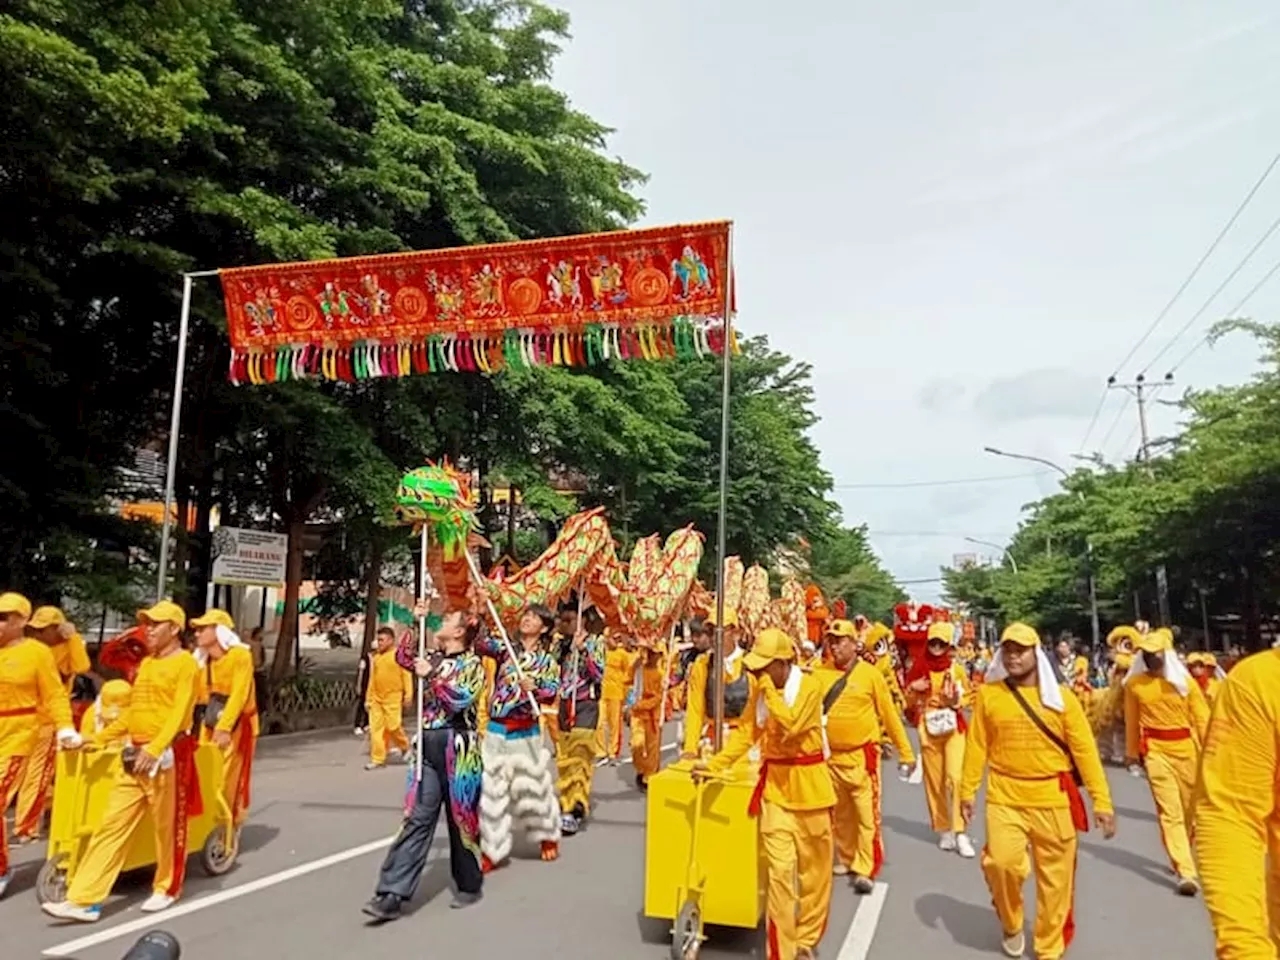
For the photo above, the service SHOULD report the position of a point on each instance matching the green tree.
(843, 564)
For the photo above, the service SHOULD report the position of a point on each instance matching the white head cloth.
(227, 638)
(1050, 691)
(1175, 671)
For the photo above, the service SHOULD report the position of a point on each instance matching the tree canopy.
(1205, 506)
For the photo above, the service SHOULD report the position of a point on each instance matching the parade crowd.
(512, 729)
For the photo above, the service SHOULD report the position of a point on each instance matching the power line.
(1275, 225)
(932, 533)
(1114, 423)
(1233, 312)
(938, 483)
(1195, 271)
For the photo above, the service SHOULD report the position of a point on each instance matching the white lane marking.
(857, 942)
(666, 748)
(72, 947)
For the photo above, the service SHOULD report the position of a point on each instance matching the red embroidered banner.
(648, 294)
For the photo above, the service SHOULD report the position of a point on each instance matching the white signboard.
(249, 557)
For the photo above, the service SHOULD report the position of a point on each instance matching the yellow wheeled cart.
(702, 854)
(80, 793)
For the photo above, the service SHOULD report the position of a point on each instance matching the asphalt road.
(320, 823)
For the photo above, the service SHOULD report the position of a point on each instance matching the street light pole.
(1095, 627)
(1013, 564)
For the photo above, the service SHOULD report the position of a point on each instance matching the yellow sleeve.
(743, 737)
(53, 695)
(1084, 751)
(1198, 707)
(202, 686)
(695, 715)
(798, 718)
(112, 731)
(1234, 799)
(889, 719)
(179, 717)
(975, 752)
(241, 682)
(88, 725)
(78, 655)
(407, 686)
(1132, 735)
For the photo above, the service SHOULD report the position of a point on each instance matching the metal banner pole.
(174, 422)
(717, 728)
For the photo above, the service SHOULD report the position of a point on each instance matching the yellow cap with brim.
(1202, 656)
(841, 628)
(771, 644)
(214, 618)
(1023, 634)
(14, 603)
(942, 631)
(116, 693)
(166, 611)
(730, 618)
(1157, 641)
(46, 617)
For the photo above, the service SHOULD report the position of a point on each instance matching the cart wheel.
(686, 934)
(51, 881)
(216, 859)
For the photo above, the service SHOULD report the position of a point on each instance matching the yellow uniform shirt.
(1152, 703)
(651, 686)
(789, 733)
(71, 659)
(163, 701)
(388, 681)
(1236, 803)
(232, 677)
(29, 687)
(862, 713)
(1024, 764)
(619, 673)
(1210, 690)
(697, 712)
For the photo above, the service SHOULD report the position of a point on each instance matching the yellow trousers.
(11, 773)
(798, 848)
(856, 823)
(576, 762)
(646, 743)
(37, 781)
(609, 733)
(1172, 781)
(386, 729)
(131, 798)
(1051, 837)
(233, 762)
(943, 762)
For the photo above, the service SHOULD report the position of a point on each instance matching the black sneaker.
(579, 813)
(640, 783)
(383, 908)
(462, 899)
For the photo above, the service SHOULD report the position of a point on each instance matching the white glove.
(69, 739)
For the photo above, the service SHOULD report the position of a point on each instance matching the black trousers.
(403, 866)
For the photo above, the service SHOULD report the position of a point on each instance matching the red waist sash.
(757, 795)
(1166, 735)
(18, 712)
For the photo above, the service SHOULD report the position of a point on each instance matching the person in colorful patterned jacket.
(519, 784)
(449, 780)
(581, 672)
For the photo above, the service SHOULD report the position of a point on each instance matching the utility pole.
(1142, 391)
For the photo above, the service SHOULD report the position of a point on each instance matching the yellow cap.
(15, 603)
(1123, 632)
(730, 618)
(116, 693)
(940, 630)
(46, 617)
(166, 611)
(771, 644)
(841, 628)
(214, 618)
(1023, 634)
(1202, 656)
(1157, 641)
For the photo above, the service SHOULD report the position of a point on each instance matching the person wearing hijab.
(1165, 722)
(793, 797)
(938, 690)
(230, 719)
(1236, 799)
(1030, 736)
(1204, 669)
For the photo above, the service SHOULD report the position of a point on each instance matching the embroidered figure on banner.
(486, 292)
(376, 300)
(564, 285)
(335, 306)
(261, 311)
(606, 283)
(692, 273)
(449, 296)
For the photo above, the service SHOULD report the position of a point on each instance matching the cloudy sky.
(963, 215)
